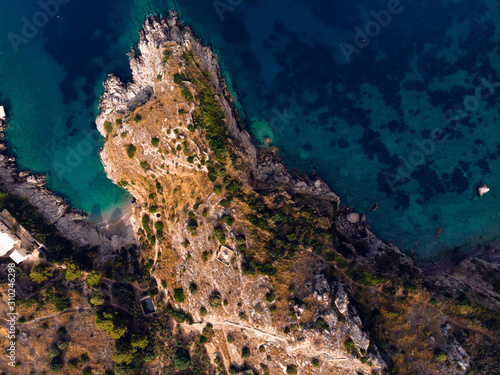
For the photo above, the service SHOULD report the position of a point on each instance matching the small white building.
(8, 240)
(3, 116)
(225, 255)
(12, 239)
(19, 256)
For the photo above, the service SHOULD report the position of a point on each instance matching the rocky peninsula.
(250, 268)
(175, 141)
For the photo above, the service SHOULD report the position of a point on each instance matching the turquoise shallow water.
(405, 115)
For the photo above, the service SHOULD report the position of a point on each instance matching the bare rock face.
(353, 217)
(341, 298)
(370, 251)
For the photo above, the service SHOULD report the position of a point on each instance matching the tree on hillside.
(39, 274)
(94, 279)
(72, 273)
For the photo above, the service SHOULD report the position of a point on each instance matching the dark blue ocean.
(391, 102)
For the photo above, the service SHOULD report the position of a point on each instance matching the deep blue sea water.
(390, 102)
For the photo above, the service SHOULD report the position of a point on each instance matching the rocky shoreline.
(71, 223)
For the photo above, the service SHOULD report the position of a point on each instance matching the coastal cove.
(354, 130)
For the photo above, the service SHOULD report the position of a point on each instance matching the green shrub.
(322, 324)
(131, 149)
(291, 369)
(215, 300)
(227, 219)
(315, 362)
(349, 345)
(72, 273)
(108, 127)
(94, 279)
(219, 236)
(203, 312)
(137, 117)
(205, 255)
(187, 94)
(166, 56)
(119, 121)
(178, 78)
(179, 295)
(85, 358)
(181, 359)
(179, 315)
(56, 364)
(122, 183)
(364, 277)
(192, 226)
(155, 141)
(440, 355)
(193, 289)
(245, 352)
(270, 296)
(230, 338)
(39, 274)
(97, 299)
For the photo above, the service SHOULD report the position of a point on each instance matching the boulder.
(483, 189)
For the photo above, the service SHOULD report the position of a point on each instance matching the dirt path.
(79, 309)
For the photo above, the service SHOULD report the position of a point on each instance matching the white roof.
(2, 112)
(6, 244)
(18, 257)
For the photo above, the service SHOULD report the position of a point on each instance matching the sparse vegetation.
(215, 300)
(179, 295)
(131, 149)
(219, 236)
(108, 127)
